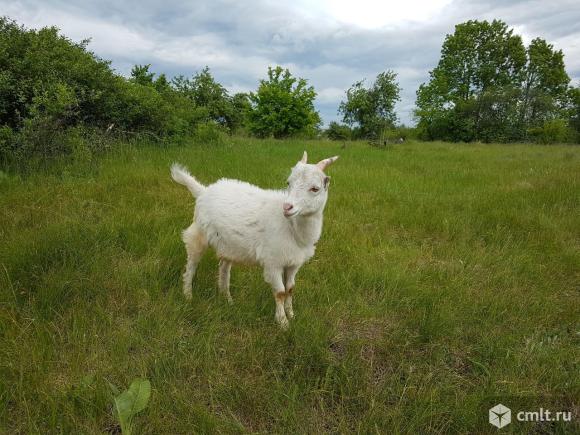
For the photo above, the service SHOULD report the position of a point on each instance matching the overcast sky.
(330, 43)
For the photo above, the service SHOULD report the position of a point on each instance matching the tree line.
(55, 93)
(56, 96)
(486, 87)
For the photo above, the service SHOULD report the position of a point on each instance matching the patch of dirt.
(367, 337)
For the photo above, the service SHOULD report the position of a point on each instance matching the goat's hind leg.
(224, 279)
(195, 245)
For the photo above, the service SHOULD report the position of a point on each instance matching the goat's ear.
(304, 158)
(326, 182)
(323, 164)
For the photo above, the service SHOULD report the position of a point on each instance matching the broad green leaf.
(131, 402)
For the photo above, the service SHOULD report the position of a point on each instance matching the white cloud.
(330, 95)
(107, 39)
(374, 14)
(570, 45)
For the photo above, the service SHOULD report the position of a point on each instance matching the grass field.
(446, 281)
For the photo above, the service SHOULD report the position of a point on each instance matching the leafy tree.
(480, 62)
(162, 84)
(283, 106)
(545, 84)
(488, 86)
(574, 110)
(205, 92)
(140, 74)
(372, 109)
(480, 56)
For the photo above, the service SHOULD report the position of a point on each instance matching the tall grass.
(446, 281)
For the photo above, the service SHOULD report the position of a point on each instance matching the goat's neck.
(307, 229)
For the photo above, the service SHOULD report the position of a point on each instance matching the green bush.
(400, 132)
(6, 144)
(209, 133)
(203, 91)
(336, 131)
(552, 131)
(54, 93)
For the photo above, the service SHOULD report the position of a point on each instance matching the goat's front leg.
(290, 273)
(224, 279)
(274, 277)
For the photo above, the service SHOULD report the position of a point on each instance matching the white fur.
(277, 229)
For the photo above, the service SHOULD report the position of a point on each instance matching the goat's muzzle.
(289, 209)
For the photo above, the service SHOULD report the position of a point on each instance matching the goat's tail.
(182, 176)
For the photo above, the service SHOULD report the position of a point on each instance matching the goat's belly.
(233, 252)
(232, 244)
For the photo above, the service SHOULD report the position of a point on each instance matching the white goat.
(276, 229)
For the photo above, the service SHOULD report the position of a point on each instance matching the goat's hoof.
(187, 294)
(290, 314)
(227, 296)
(283, 323)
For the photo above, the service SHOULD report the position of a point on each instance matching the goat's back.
(236, 217)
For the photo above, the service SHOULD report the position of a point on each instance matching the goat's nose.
(287, 206)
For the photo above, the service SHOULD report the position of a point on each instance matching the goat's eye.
(288, 183)
(314, 189)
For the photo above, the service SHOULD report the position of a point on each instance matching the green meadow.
(446, 281)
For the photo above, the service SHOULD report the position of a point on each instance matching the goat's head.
(307, 187)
